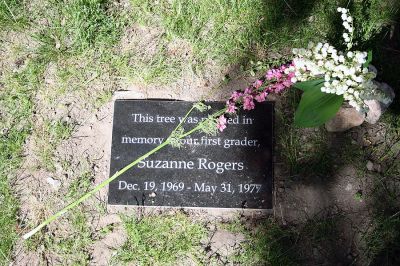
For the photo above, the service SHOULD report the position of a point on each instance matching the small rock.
(378, 168)
(4, 131)
(280, 190)
(377, 108)
(349, 187)
(370, 166)
(345, 119)
(54, 183)
(375, 111)
(211, 227)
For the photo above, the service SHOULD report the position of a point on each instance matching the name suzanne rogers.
(200, 164)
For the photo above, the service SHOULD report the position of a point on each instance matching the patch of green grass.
(220, 30)
(267, 244)
(16, 109)
(371, 17)
(301, 21)
(86, 76)
(80, 185)
(79, 25)
(148, 68)
(58, 130)
(160, 240)
(312, 151)
(12, 14)
(228, 31)
(289, 138)
(305, 151)
(48, 138)
(73, 249)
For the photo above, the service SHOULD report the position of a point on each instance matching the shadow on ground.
(367, 231)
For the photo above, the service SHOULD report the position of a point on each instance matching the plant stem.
(183, 121)
(114, 176)
(9, 10)
(96, 188)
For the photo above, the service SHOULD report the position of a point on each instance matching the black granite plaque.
(233, 169)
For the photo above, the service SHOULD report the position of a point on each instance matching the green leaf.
(369, 59)
(308, 85)
(316, 107)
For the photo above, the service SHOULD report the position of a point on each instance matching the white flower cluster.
(348, 25)
(344, 73)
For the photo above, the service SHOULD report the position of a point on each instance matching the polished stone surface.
(232, 169)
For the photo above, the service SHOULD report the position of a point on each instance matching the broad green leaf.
(316, 107)
(308, 85)
(369, 59)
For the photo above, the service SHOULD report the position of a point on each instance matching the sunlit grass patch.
(48, 137)
(15, 123)
(71, 248)
(160, 240)
(140, 67)
(12, 14)
(78, 25)
(221, 30)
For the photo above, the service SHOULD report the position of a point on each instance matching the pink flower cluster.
(221, 123)
(275, 81)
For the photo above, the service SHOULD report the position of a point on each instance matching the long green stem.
(183, 121)
(9, 10)
(114, 176)
(97, 188)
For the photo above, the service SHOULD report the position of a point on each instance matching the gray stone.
(376, 108)
(370, 166)
(53, 183)
(345, 119)
(375, 111)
